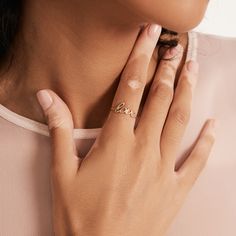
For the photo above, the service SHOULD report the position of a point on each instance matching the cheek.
(176, 15)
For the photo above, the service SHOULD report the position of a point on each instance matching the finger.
(132, 82)
(179, 113)
(159, 98)
(191, 168)
(60, 125)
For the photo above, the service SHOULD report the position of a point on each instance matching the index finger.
(133, 81)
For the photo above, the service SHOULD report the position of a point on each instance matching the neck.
(80, 58)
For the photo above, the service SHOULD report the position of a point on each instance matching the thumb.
(61, 126)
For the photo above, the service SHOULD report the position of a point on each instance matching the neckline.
(79, 133)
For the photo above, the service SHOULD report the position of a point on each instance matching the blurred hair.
(9, 19)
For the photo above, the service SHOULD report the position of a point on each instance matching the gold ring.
(120, 108)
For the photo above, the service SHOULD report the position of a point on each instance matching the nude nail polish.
(153, 29)
(44, 98)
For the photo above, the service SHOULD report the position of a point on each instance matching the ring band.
(120, 108)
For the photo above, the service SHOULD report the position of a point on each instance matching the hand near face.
(127, 183)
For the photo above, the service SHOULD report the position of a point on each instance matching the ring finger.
(159, 98)
(179, 113)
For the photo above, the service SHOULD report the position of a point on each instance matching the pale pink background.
(210, 209)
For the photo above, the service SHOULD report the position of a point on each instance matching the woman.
(60, 42)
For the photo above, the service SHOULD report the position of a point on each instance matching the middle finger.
(159, 98)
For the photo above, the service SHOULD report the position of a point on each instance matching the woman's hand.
(127, 184)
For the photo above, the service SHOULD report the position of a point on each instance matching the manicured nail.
(153, 29)
(174, 51)
(211, 128)
(193, 67)
(44, 99)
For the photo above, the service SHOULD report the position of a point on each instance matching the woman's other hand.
(128, 184)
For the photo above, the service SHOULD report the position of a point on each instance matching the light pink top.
(210, 209)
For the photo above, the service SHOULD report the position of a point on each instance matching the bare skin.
(71, 59)
(127, 184)
(73, 50)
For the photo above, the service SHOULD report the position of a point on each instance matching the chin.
(176, 15)
(182, 22)
(179, 26)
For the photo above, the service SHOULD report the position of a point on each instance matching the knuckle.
(181, 115)
(55, 123)
(163, 91)
(185, 84)
(168, 67)
(59, 117)
(55, 120)
(141, 58)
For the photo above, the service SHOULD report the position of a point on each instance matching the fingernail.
(153, 29)
(44, 99)
(193, 67)
(172, 52)
(211, 129)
